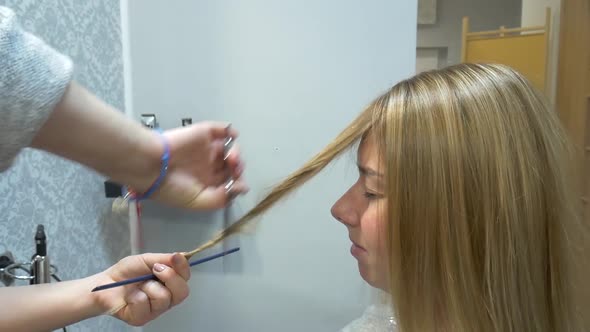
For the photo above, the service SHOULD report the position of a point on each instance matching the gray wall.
(69, 199)
(483, 15)
(289, 75)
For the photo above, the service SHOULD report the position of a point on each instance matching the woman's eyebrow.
(367, 171)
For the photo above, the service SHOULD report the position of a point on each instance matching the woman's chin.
(370, 278)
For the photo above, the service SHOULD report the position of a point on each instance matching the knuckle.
(181, 295)
(185, 293)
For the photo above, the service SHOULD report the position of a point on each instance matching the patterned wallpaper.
(83, 236)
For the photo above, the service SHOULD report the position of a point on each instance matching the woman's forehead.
(368, 154)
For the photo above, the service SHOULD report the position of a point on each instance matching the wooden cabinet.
(573, 84)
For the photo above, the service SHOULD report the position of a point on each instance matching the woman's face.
(362, 210)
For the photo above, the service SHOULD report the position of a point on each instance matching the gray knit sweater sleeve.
(33, 78)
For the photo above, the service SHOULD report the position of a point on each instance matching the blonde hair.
(479, 201)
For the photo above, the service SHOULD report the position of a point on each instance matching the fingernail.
(226, 155)
(227, 148)
(159, 267)
(228, 187)
(177, 259)
(228, 141)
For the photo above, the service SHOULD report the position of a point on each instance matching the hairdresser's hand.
(103, 139)
(139, 303)
(197, 172)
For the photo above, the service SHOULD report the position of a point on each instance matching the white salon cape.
(376, 318)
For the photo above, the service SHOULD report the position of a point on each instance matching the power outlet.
(6, 258)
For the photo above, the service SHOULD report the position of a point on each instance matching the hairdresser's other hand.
(139, 303)
(197, 172)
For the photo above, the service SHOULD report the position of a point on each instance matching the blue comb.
(153, 277)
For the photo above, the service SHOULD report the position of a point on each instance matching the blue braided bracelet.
(163, 170)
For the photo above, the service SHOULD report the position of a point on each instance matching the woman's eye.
(369, 195)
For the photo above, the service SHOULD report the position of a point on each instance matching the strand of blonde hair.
(341, 143)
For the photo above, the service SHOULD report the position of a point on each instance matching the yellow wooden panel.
(525, 53)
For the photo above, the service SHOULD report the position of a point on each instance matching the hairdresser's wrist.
(148, 161)
(142, 164)
(99, 303)
(87, 303)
